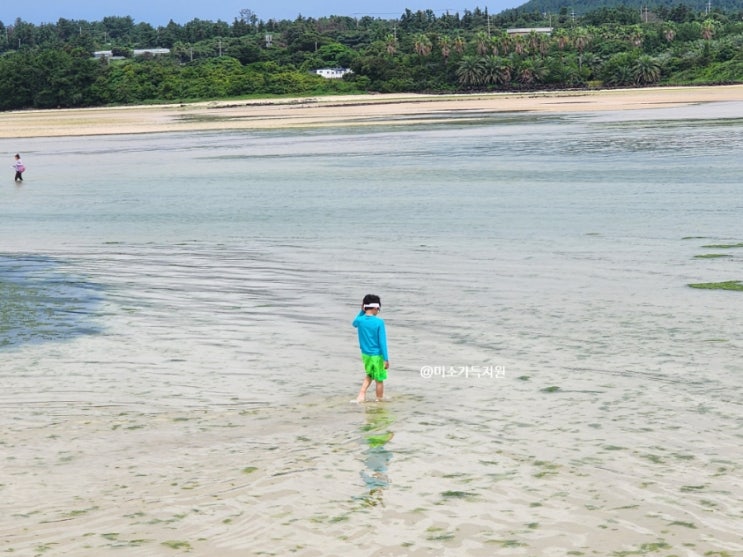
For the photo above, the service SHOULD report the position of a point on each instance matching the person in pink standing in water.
(19, 168)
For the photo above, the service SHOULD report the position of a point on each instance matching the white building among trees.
(332, 73)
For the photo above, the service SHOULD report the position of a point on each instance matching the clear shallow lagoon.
(177, 356)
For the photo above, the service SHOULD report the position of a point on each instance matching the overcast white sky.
(160, 12)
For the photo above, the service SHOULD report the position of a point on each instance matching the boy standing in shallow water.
(373, 344)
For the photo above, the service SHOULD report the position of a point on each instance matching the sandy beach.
(397, 109)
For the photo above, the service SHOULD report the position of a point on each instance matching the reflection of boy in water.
(378, 457)
(373, 344)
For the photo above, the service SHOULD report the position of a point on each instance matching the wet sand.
(392, 109)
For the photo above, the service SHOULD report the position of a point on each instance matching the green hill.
(581, 7)
(608, 44)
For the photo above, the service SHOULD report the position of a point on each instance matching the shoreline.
(341, 110)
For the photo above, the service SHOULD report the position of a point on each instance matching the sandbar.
(346, 110)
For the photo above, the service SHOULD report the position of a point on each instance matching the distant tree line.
(581, 7)
(52, 65)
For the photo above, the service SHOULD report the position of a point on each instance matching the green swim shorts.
(374, 366)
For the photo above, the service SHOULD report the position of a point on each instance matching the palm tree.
(481, 43)
(544, 45)
(564, 72)
(490, 70)
(459, 44)
(422, 45)
(445, 46)
(593, 62)
(498, 69)
(505, 71)
(518, 45)
(505, 42)
(669, 33)
(390, 43)
(539, 70)
(637, 36)
(532, 71)
(581, 40)
(708, 29)
(561, 38)
(470, 71)
(525, 72)
(646, 70)
(622, 75)
(495, 45)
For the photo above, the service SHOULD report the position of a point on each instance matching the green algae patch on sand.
(723, 246)
(727, 285)
(466, 495)
(176, 544)
(712, 255)
(507, 543)
(684, 524)
(692, 488)
(79, 512)
(654, 458)
(435, 533)
(644, 549)
(545, 469)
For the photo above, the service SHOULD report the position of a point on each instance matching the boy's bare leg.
(380, 390)
(364, 387)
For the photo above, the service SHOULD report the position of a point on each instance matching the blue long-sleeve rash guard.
(372, 335)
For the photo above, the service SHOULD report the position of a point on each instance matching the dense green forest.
(584, 6)
(52, 65)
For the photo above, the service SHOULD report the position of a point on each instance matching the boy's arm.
(383, 342)
(356, 319)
